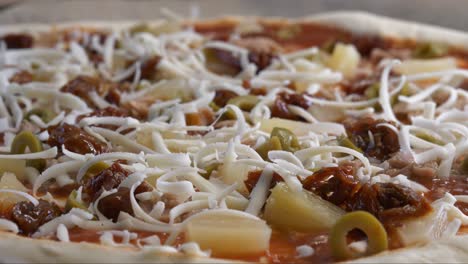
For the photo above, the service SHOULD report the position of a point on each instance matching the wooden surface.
(448, 13)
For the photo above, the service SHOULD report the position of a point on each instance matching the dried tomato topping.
(18, 41)
(109, 179)
(385, 140)
(262, 50)
(387, 201)
(111, 205)
(295, 99)
(106, 180)
(75, 139)
(148, 68)
(280, 106)
(22, 77)
(280, 109)
(203, 117)
(29, 217)
(334, 184)
(81, 86)
(108, 111)
(222, 97)
(254, 176)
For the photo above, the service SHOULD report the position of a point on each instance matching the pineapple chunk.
(419, 66)
(229, 235)
(9, 181)
(15, 166)
(7, 200)
(425, 229)
(231, 173)
(345, 59)
(300, 211)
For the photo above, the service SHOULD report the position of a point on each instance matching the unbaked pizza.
(339, 137)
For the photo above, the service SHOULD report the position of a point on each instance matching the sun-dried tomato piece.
(18, 41)
(384, 141)
(111, 205)
(21, 77)
(29, 217)
(75, 139)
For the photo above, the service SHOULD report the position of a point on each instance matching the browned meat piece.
(21, 77)
(29, 217)
(111, 205)
(223, 96)
(385, 141)
(75, 139)
(18, 41)
(81, 86)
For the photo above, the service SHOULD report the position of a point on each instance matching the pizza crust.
(18, 249)
(15, 248)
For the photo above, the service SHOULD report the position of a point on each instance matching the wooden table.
(448, 13)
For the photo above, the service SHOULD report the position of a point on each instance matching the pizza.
(337, 137)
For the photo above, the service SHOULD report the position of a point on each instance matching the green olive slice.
(209, 169)
(44, 114)
(274, 143)
(245, 102)
(429, 138)
(287, 138)
(430, 50)
(72, 202)
(364, 221)
(344, 141)
(27, 139)
(95, 169)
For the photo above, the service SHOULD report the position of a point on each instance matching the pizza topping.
(75, 139)
(373, 138)
(375, 232)
(18, 41)
(173, 132)
(22, 77)
(106, 180)
(111, 205)
(84, 86)
(30, 217)
(28, 140)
